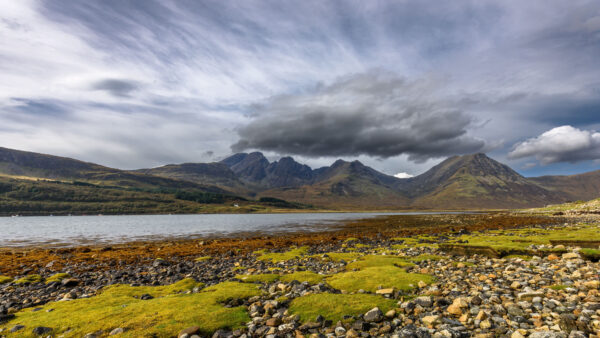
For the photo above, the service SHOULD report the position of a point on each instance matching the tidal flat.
(485, 274)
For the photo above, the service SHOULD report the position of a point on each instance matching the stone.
(570, 255)
(515, 285)
(552, 257)
(517, 334)
(424, 301)
(547, 334)
(390, 314)
(118, 330)
(5, 318)
(515, 310)
(431, 320)
(567, 322)
(273, 322)
(454, 310)
(389, 291)
(340, 331)
(421, 284)
(41, 330)
(485, 324)
(593, 284)
(481, 315)
(373, 315)
(17, 328)
(309, 326)
(221, 334)
(146, 297)
(351, 334)
(189, 331)
(529, 295)
(70, 282)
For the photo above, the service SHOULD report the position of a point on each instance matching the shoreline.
(378, 277)
(182, 226)
(37, 257)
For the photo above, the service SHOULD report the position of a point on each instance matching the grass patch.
(335, 306)
(371, 278)
(377, 260)
(338, 256)
(5, 279)
(262, 278)
(350, 239)
(592, 254)
(30, 279)
(303, 276)
(558, 287)
(202, 259)
(505, 241)
(168, 312)
(57, 277)
(421, 258)
(275, 257)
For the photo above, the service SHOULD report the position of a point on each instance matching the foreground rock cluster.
(556, 295)
(475, 296)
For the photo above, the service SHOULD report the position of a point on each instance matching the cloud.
(197, 67)
(116, 87)
(560, 144)
(403, 175)
(374, 113)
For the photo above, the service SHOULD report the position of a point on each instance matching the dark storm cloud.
(116, 87)
(374, 114)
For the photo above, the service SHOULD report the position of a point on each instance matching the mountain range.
(473, 181)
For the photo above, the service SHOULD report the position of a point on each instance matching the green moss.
(421, 258)
(350, 239)
(335, 306)
(360, 245)
(5, 279)
(505, 241)
(370, 279)
(558, 287)
(202, 259)
(338, 256)
(57, 277)
(162, 316)
(262, 278)
(30, 279)
(282, 299)
(260, 252)
(591, 253)
(238, 268)
(275, 257)
(377, 260)
(303, 276)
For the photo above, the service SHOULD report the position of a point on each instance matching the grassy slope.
(577, 187)
(43, 197)
(344, 190)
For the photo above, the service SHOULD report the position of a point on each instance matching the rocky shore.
(377, 285)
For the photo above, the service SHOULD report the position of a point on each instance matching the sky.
(398, 85)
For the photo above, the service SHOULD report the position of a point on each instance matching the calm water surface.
(79, 230)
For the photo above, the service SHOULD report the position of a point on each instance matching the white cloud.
(403, 175)
(560, 144)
